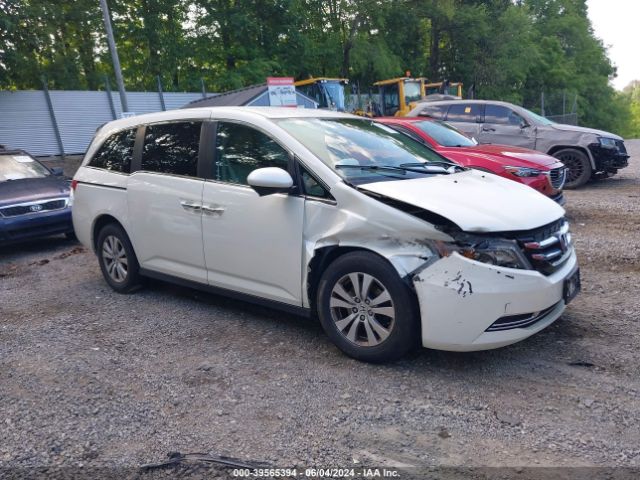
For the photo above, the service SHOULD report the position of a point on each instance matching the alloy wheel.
(574, 165)
(362, 309)
(115, 258)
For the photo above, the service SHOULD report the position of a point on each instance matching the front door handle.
(191, 206)
(488, 129)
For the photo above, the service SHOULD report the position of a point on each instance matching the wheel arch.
(556, 148)
(324, 256)
(99, 223)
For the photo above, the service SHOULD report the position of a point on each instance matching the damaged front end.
(488, 291)
(609, 155)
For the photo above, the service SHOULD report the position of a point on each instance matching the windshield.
(538, 118)
(363, 151)
(17, 167)
(412, 92)
(444, 134)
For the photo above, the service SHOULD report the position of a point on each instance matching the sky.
(617, 24)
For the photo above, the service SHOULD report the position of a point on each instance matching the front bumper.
(608, 159)
(24, 227)
(460, 298)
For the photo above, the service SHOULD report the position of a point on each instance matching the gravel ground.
(90, 378)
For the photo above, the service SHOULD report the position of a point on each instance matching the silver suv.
(587, 153)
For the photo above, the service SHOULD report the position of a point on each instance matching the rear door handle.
(485, 129)
(213, 209)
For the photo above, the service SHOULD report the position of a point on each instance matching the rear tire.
(117, 259)
(579, 167)
(366, 309)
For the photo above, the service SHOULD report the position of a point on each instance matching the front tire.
(366, 309)
(117, 259)
(579, 167)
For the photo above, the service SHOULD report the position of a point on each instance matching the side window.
(464, 112)
(171, 148)
(390, 99)
(312, 187)
(501, 115)
(434, 111)
(241, 149)
(116, 152)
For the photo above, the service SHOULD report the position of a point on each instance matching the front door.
(504, 126)
(164, 197)
(252, 244)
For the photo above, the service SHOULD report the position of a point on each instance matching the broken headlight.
(607, 142)
(494, 251)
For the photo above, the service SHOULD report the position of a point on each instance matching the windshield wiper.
(374, 167)
(407, 167)
(447, 166)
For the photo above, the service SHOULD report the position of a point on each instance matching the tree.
(508, 50)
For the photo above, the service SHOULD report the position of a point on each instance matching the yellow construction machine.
(328, 92)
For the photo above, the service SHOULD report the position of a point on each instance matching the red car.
(540, 171)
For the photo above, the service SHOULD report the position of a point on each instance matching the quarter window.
(116, 152)
(172, 148)
(241, 149)
(312, 187)
(463, 112)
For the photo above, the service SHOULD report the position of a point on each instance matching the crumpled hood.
(573, 128)
(502, 155)
(475, 201)
(32, 189)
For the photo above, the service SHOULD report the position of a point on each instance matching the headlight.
(494, 251)
(524, 171)
(607, 142)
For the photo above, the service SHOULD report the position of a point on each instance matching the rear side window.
(241, 149)
(464, 112)
(501, 115)
(116, 152)
(434, 111)
(171, 148)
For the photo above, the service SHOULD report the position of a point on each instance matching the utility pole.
(114, 55)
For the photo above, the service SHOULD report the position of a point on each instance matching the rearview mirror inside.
(268, 180)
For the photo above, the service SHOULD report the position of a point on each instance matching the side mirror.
(524, 124)
(269, 180)
(57, 171)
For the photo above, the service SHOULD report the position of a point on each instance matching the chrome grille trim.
(549, 253)
(48, 205)
(557, 177)
(519, 321)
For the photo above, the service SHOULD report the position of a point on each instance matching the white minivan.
(327, 214)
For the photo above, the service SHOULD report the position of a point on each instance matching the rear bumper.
(24, 227)
(460, 299)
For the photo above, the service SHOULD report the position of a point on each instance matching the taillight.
(74, 184)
